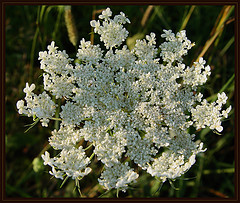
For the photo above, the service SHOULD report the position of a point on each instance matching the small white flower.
(219, 128)
(28, 90)
(95, 24)
(52, 49)
(222, 98)
(124, 17)
(47, 159)
(226, 112)
(181, 35)
(57, 174)
(106, 14)
(151, 38)
(168, 35)
(207, 68)
(201, 61)
(20, 106)
(42, 55)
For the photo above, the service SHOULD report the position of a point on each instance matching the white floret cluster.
(40, 106)
(131, 106)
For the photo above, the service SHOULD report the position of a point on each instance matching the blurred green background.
(29, 29)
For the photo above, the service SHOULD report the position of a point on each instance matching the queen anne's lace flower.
(125, 104)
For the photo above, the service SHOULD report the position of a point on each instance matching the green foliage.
(29, 29)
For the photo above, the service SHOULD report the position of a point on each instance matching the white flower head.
(111, 32)
(129, 106)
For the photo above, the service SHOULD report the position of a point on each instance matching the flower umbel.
(126, 105)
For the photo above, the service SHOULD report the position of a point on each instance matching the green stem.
(186, 19)
(78, 186)
(64, 181)
(219, 171)
(117, 192)
(92, 156)
(88, 147)
(214, 97)
(56, 119)
(56, 28)
(32, 54)
(198, 177)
